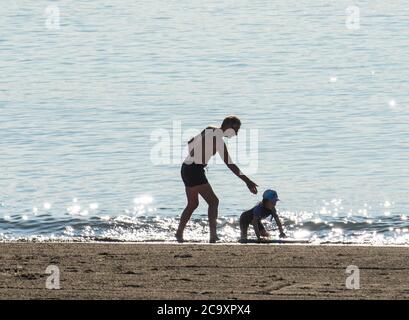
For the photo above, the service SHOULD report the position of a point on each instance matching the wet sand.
(195, 271)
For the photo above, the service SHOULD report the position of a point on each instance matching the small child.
(261, 211)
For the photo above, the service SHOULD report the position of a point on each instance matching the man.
(201, 149)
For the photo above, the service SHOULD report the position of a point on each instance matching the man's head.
(231, 126)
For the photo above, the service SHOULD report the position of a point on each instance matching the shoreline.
(203, 243)
(115, 270)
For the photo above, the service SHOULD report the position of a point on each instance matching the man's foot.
(214, 240)
(243, 240)
(179, 238)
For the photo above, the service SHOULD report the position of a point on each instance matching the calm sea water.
(79, 104)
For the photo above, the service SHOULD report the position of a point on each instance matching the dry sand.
(193, 271)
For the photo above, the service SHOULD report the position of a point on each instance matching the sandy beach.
(195, 271)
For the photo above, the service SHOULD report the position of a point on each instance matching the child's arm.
(256, 228)
(279, 225)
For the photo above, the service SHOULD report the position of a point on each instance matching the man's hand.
(252, 186)
(283, 235)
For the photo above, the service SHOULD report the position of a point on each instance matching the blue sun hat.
(270, 195)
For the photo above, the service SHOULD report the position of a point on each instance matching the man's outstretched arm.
(235, 169)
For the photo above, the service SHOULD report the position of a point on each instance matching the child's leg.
(245, 220)
(262, 229)
(243, 235)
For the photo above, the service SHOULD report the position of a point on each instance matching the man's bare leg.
(206, 191)
(192, 195)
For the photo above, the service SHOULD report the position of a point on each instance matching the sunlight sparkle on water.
(392, 103)
(94, 206)
(387, 204)
(301, 234)
(74, 209)
(69, 231)
(143, 200)
(47, 205)
(336, 202)
(323, 210)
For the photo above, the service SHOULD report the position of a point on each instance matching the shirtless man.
(201, 149)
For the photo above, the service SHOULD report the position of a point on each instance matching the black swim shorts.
(193, 174)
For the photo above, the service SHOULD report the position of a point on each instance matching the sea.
(99, 98)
